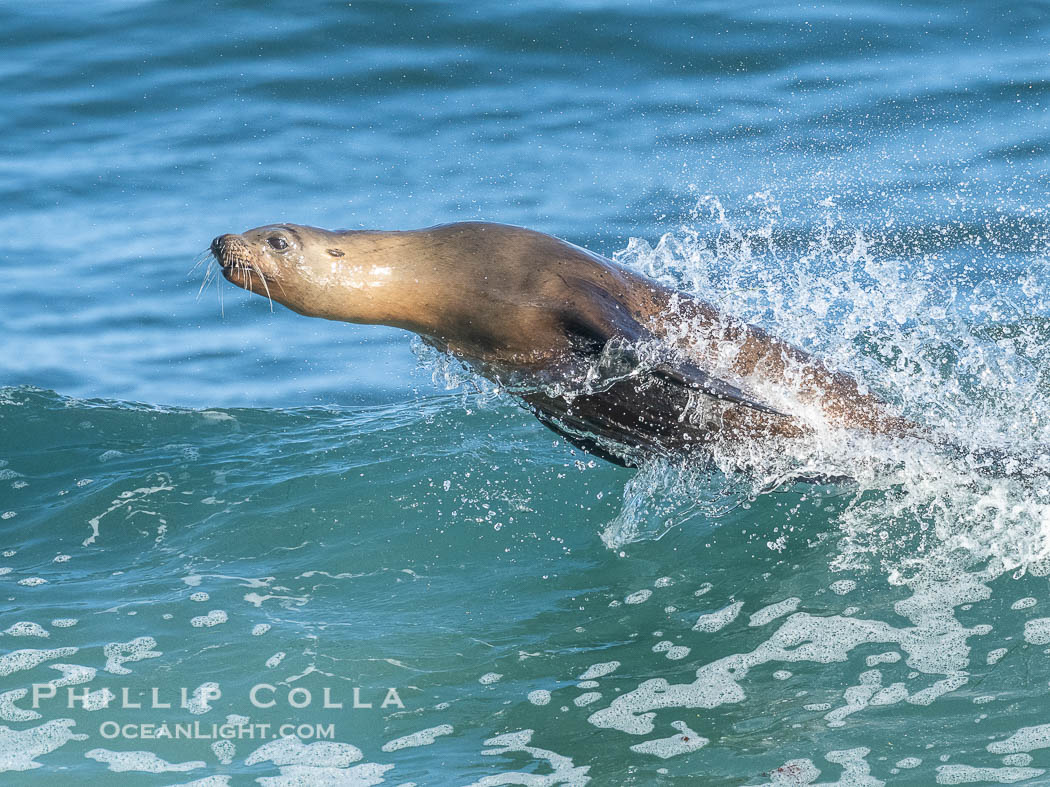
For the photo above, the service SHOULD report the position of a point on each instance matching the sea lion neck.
(394, 278)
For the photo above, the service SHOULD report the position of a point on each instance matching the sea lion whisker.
(200, 258)
(207, 278)
(222, 307)
(265, 286)
(252, 271)
(210, 275)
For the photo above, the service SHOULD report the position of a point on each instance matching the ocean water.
(220, 519)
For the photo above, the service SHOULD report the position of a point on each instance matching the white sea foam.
(28, 658)
(1025, 739)
(966, 774)
(855, 771)
(214, 618)
(120, 653)
(638, 596)
(683, 742)
(11, 712)
(25, 628)
(672, 651)
(540, 697)
(20, 748)
(936, 644)
(140, 761)
(562, 769)
(600, 670)
(773, 611)
(421, 738)
(1037, 631)
(714, 621)
(323, 762)
(292, 751)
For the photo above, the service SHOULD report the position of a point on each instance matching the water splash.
(956, 339)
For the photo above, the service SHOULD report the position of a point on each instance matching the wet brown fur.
(511, 301)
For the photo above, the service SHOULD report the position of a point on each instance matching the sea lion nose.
(218, 245)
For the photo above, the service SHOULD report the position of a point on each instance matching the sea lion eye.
(277, 242)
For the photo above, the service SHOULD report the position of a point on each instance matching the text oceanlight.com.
(194, 730)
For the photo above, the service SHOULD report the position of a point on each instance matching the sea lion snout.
(231, 252)
(219, 246)
(237, 261)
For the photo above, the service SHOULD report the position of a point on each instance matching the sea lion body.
(595, 350)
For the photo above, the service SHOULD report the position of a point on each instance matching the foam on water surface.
(143, 761)
(915, 638)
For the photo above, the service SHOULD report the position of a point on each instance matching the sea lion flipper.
(612, 350)
(694, 378)
(586, 444)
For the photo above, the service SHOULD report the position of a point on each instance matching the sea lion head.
(310, 270)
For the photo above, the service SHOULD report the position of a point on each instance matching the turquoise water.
(200, 495)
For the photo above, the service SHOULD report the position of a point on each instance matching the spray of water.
(956, 338)
(950, 323)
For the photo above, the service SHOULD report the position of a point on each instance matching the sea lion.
(596, 351)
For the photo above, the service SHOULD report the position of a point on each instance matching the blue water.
(198, 493)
